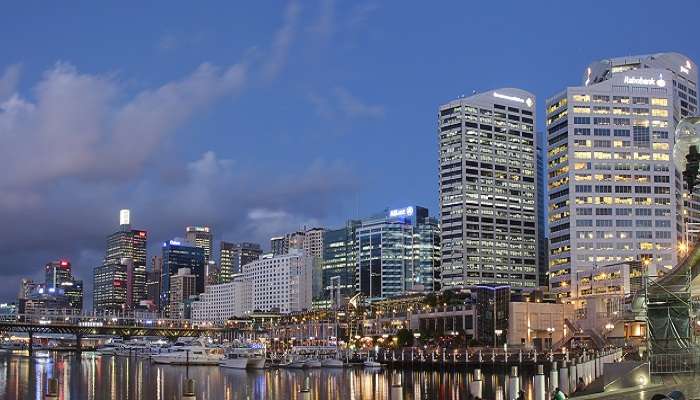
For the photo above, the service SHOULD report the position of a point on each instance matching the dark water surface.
(93, 376)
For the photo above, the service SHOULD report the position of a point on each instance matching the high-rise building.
(279, 245)
(124, 245)
(397, 252)
(183, 285)
(339, 263)
(153, 281)
(488, 190)
(614, 193)
(279, 283)
(542, 232)
(109, 288)
(233, 256)
(178, 253)
(59, 278)
(201, 236)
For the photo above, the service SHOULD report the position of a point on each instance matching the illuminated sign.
(527, 101)
(631, 80)
(64, 263)
(124, 217)
(401, 212)
(142, 234)
(175, 243)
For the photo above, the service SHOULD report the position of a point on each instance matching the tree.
(404, 337)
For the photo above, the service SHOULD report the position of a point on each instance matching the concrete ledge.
(604, 395)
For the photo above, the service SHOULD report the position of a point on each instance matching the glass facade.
(179, 254)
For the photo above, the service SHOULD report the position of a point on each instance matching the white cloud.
(78, 126)
(8, 81)
(283, 41)
(341, 103)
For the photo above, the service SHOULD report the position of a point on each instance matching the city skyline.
(322, 185)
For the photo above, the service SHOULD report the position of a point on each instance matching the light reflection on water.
(106, 377)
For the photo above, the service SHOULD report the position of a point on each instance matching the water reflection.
(104, 377)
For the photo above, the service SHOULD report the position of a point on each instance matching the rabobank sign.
(401, 212)
(632, 80)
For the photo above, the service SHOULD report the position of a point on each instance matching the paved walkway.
(688, 384)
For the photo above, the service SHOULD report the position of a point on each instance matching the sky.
(258, 118)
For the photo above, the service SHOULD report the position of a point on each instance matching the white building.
(274, 283)
(488, 189)
(614, 193)
(220, 302)
(281, 283)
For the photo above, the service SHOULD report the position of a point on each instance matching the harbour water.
(93, 376)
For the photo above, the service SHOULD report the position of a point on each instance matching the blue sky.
(260, 117)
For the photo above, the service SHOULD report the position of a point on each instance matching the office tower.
(614, 193)
(124, 245)
(153, 281)
(182, 285)
(232, 256)
(59, 278)
(339, 263)
(397, 252)
(488, 190)
(201, 236)
(110, 288)
(542, 232)
(213, 273)
(279, 245)
(279, 283)
(312, 242)
(57, 273)
(178, 253)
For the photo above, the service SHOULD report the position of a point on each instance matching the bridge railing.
(92, 320)
(674, 363)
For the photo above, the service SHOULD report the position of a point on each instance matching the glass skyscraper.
(178, 253)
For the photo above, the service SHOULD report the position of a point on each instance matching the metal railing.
(674, 363)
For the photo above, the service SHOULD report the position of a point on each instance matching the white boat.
(293, 361)
(193, 354)
(332, 363)
(244, 358)
(312, 363)
(371, 363)
(41, 354)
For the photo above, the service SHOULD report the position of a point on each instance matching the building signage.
(527, 101)
(401, 212)
(631, 80)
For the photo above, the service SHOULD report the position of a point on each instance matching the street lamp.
(498, 333)
(550, 330)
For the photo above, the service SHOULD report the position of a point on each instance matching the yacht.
(332, 363)
(244, 358)
(371, 363)
(195, 353)
(293, 361)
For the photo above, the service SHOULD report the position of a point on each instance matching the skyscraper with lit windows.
(488, 190)
(614, 193)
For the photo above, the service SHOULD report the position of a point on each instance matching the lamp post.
(550, 330)
(496, 338)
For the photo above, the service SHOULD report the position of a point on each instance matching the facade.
(129, 244)
(492, 309)
(279, 283)
(201, 236)
(538, 325)
(279, 245)
(182, 285)
(397, 252)
(614, 193)
(59, 278)
(153, 282)
(542, 231)
(109, 288)
(220, 302)
(233, 256)
(178, 253)
(488, 190)
(339, 263)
